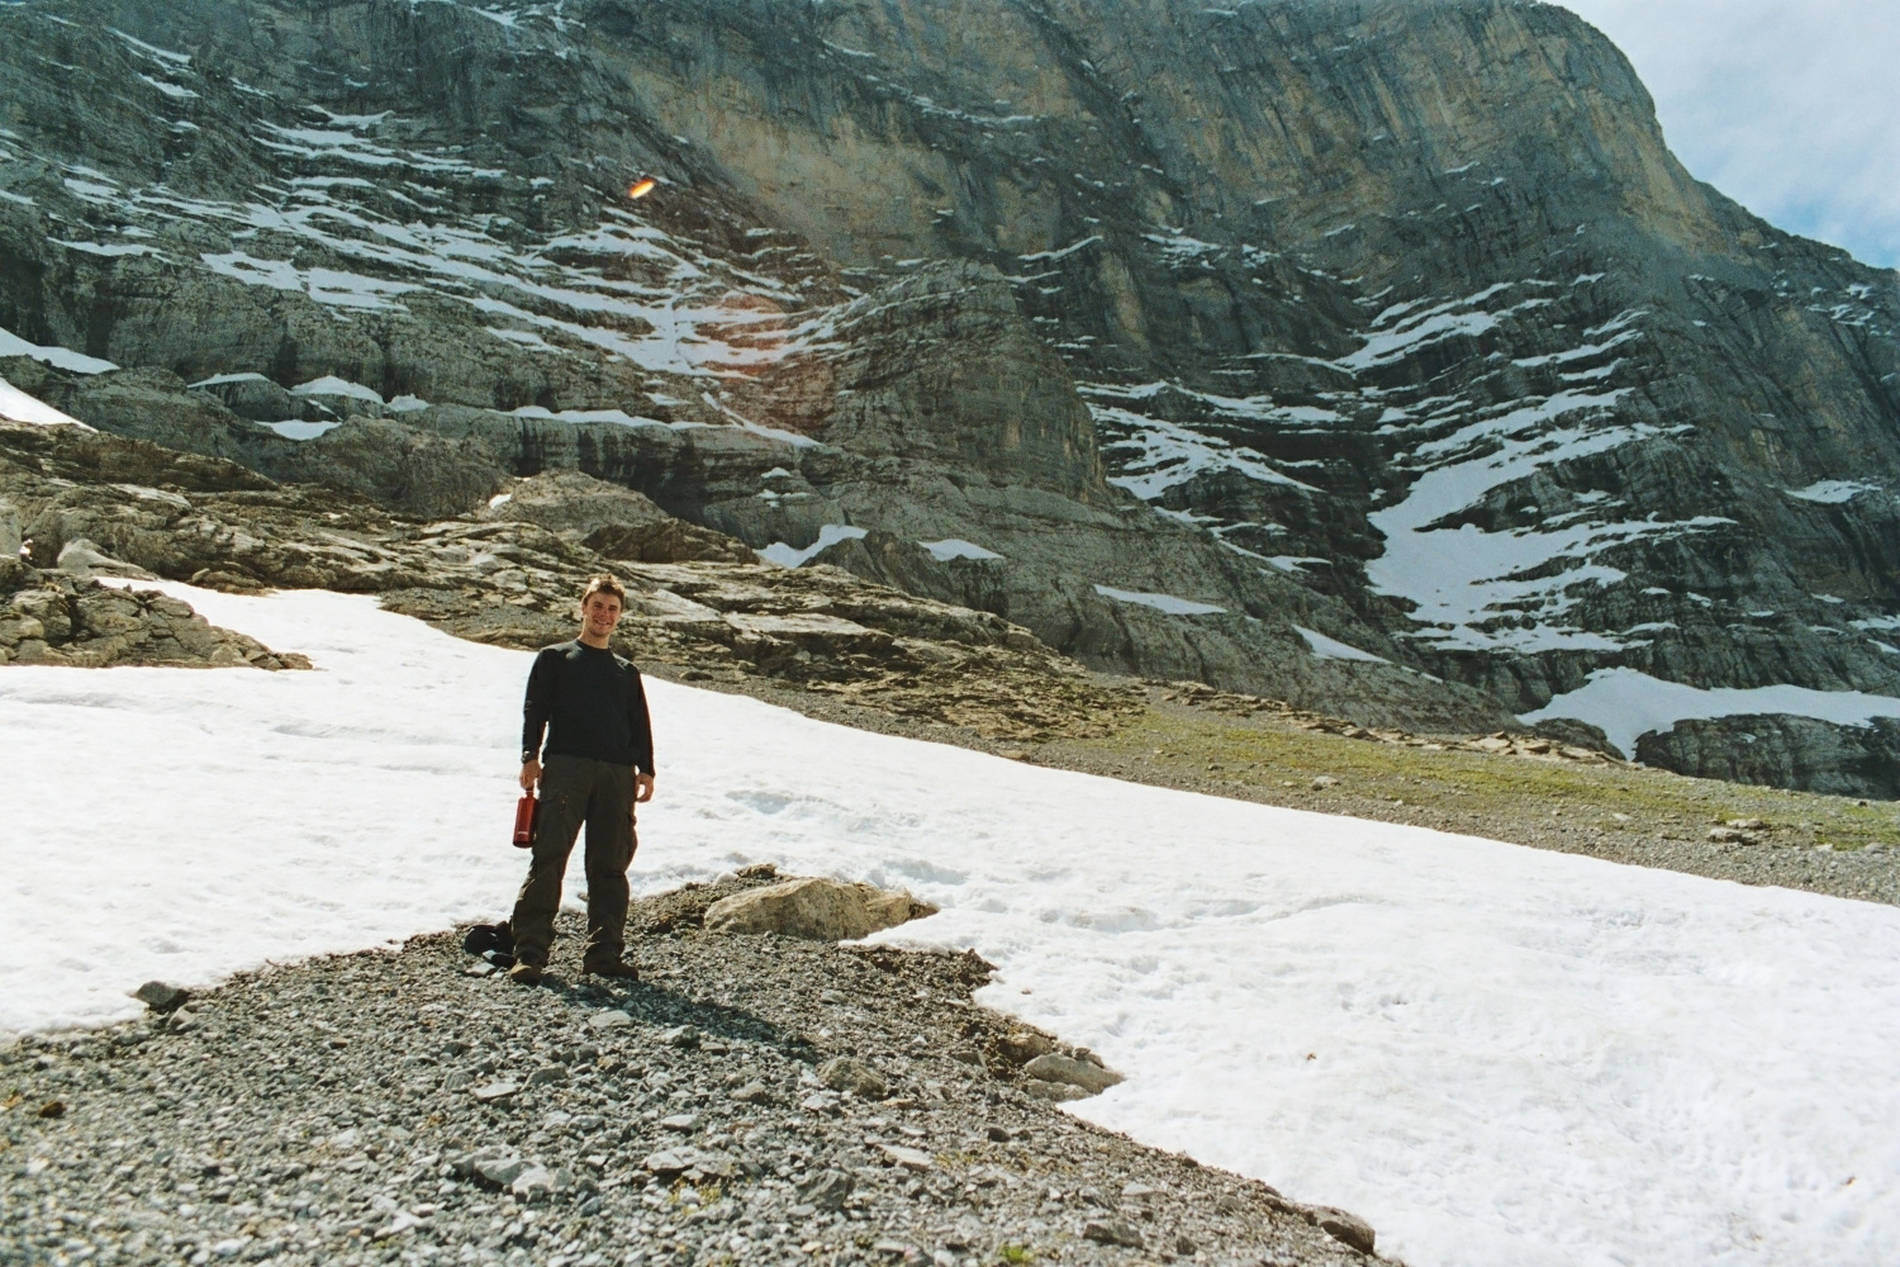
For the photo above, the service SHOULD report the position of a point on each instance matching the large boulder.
(815, 908)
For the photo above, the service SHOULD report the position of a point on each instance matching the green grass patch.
(1282, 761)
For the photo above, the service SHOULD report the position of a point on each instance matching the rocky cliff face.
(1373, 355)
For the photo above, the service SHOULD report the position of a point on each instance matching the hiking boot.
(617, 968)
(525, 974)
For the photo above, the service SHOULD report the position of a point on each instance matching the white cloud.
(1784, 105)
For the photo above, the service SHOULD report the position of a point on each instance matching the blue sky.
(1787, 106)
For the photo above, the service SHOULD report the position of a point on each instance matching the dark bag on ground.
(493, 942)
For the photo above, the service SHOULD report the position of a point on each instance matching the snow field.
(1496, 1055)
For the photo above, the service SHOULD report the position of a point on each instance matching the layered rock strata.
(1371, 355)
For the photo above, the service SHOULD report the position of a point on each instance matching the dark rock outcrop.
(1784, 751)
(57, 618)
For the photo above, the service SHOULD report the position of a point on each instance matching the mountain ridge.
(1395, 325)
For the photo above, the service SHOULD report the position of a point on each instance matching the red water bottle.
(525, 810)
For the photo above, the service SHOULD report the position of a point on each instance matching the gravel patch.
(752, 1099)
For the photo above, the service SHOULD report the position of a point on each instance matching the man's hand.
(642, 787)
(530, 775)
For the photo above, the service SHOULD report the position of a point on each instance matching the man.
(598, 768)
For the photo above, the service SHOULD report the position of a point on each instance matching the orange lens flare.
(642, 187)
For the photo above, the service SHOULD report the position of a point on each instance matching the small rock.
(681, 1122)
(826, 1190)
(1111, 1232)
(682, 1036)
(671, 1161)
(1055, 1067)
(1020, 1046)
(1058, 1092)
(547, 1075)
(909, 1158)
(161, 997)
(848, 1074)
(496, 1092)
(609, 1018)
(1344, 1227)
(539, 1183)
(499, 1171)
(753, 1092)
(396, 1226)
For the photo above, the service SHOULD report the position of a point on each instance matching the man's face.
(600, 612)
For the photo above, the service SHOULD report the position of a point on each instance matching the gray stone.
(1020, 1046)
(541, 1183)
(500, 1172)
(1059, 1092)
(853, 1076)
(10, 539)
(1112, 1232)
(1084, 1074)
(160, 996)
(909, 1158)
(826, 1190)
(1346, 1227)
(401, 1222)
(670, 1161)
(83, 558)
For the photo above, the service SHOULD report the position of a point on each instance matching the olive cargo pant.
(576, 790)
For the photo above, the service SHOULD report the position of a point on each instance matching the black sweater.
(591, 703)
